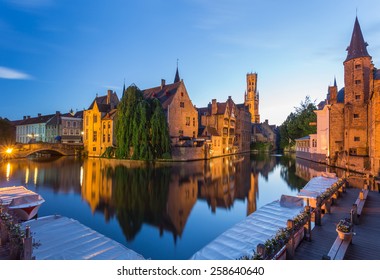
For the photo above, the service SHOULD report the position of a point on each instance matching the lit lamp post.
(8, 152)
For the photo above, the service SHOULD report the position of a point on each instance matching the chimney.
(229, 97)
(57, 113)
(39, 114)
(24, 117)
(109, 92)
(214, 107)
(162, 83)
(333, 92)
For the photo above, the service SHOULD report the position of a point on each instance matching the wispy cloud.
(12, 74)
(31, 4)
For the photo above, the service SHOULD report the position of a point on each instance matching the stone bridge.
(25, 150)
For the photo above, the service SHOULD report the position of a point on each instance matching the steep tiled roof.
(35, 120)
(164, 94)
(211, 131)
(102, 102)
(357, 47)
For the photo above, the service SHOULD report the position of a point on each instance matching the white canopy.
(243, 238)
(317, 186)
(62, 238)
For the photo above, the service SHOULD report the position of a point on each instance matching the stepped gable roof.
(221, 108)
(101, 101)
(164, 94)
(357, 47)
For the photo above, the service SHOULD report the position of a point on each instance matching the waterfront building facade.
(348, 125)
(98, 124)
(65, 128)
(226, 125)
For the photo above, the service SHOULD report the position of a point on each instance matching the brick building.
(348, 125)
(181, 114)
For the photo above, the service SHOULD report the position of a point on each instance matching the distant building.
(251, 98)
(226, 125)
(99, 125)
(265, 133)
(65, 128)
(32, 129)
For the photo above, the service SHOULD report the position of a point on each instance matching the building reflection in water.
(162, 195)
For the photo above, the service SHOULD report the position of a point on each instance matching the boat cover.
(242, 239)
(19, 196)
(316, 186)
(62, 238)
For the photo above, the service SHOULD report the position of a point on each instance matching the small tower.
(176, 78)
(251, 98)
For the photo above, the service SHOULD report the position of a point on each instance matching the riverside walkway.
(365, 244)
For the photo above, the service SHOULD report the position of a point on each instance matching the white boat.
(23, 202)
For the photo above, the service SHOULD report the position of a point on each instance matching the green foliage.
(7, 132)
(141, 127)
(297, 124)
(109, 152)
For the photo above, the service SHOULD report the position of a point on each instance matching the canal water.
(165, 211)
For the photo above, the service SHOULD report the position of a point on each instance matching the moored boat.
(23, 202)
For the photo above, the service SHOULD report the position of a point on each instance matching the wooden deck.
(366, 242)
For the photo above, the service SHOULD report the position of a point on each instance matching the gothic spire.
(335, 85)
(176, 78)
(357, 47)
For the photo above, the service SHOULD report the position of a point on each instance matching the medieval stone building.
(348, 121)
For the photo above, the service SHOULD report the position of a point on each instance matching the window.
(357, 96)
(95, 119)
(104, 138)
(71, 132)
(180, 132)
(86, 120)
(193, 121)
(94, 149)
(74, 124)
(358, 66)
(109, 124)
(356, 116)
(181, 93)
(86, 134)
(182, 104)
(193, 134)
(358, 82)
(187, 121)
(95, 136)
(104, 126)
(356, 138)
(68, 124)
(109, 137)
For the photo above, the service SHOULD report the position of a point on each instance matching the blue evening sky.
(57, 55)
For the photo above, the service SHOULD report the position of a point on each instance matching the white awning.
(243, 238)
(62, 238)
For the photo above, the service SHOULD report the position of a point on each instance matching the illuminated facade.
(98, 124)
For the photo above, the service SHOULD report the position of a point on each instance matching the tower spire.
(357, 47)
(176, 78)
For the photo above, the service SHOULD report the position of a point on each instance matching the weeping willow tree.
(141, 127)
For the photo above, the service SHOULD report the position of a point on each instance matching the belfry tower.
(251, 98)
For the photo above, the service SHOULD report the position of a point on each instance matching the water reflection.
(166, 197)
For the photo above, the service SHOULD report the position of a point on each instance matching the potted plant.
(344, 229)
